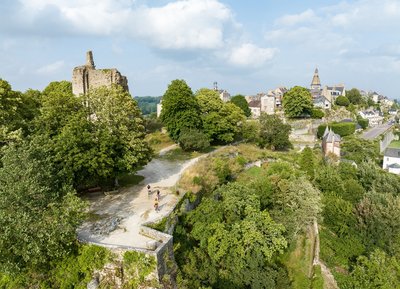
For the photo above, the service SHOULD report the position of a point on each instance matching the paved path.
(119, 217)
(375, 131)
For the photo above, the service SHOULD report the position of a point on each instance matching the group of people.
(156, 200)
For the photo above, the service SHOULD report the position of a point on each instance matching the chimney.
(89, 59)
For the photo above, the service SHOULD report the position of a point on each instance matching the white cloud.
(183, 24)
(307, 16)
(250, 55)
(192, 24)
(51, 68)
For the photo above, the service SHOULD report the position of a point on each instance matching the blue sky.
(246, 46)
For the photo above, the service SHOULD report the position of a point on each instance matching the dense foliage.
(193, 140)
(273, 132)
(39, 212)
(180, 109)
(234, 238)
(342, 101)
(52, 143)
(221, 121)
(297, 102)
(241, 102)
(317, 113)
(340, 128)
(354, 96)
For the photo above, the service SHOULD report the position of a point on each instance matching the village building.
(277, 93)
(375, 118)
(331, 143)
(255, 107)
(325, 97)
(391, 160)
(223, 94)
(87, 76)
(268, 104)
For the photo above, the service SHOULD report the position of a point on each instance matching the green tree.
(241, 102)
(118, 132)
(377, 271)
(221, 121)
(317, 113)
(251, 131)
(193, 140)
(379, 219)
(58, 104)
(297, 102)
(295, 203)
(39, 211)
(273, 132)
(363, 122)
(180, 109)
(236, 242)
(307, 162)
(354, 96)
(359, 150)
(342, 101)
(17, 110)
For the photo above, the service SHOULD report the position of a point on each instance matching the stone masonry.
(87, 76)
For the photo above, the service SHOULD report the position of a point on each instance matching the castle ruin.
(87, 76)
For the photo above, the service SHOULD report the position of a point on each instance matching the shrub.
(317, 113)
(193, 140)
(341, 128)
(363, 122)
(342, 101)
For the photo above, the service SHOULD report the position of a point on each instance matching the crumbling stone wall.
(87, 76)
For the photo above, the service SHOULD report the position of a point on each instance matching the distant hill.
(147, 104)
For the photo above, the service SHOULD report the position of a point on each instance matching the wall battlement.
(87, 76)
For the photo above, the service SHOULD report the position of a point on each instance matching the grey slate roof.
(255, 103)
(330, 136)
(392, 152)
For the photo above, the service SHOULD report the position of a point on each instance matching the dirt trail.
(329, 280)
(117, 218)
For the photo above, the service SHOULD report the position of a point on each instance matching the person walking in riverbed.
(158, 195)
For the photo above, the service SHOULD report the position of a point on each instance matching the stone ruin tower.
(87, 76)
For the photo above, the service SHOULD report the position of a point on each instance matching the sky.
(246, 46)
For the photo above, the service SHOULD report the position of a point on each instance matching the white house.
(373, 116)
(391, 160)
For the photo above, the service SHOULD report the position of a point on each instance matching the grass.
(160, 225)
(179, 155)
(318, 280)
(299, 261)
(395, 144)
(158, 141)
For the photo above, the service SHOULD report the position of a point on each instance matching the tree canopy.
(342, 101)
(236, 241)
(354, 96)
(221, 121)
(273, 132)
(39, 211)
(297, 102)
(241, 102)
(179, 109)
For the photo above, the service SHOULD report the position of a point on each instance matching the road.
(376, 131)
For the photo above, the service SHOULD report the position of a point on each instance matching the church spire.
(316, 83)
